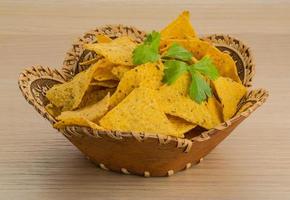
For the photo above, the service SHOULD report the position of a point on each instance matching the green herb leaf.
(153, 39)
(148, 51)
(144, 54)
(206, 67)
(199, 89)
(176, 62)
(173, 70)
(177, 51)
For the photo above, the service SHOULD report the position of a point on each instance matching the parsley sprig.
(148, 51)
(178, 61)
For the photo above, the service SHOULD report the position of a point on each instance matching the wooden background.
(36, 162)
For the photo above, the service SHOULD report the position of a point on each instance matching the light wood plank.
(36, 162)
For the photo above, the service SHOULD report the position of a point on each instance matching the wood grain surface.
(36, 162)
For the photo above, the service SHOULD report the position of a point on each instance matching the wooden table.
(36, 162)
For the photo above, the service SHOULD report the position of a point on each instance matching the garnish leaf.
(153, 39)
(148, 51)
(199, 89)
(173, 70)
(177, 51)
(177, 61)
(206, 67)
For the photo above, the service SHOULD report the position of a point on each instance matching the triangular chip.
(180, 28)
(68, 96)
(223, 61)
(91, 112)
(148, 75)
(138, 112)
(230, 94)
(107, 83)
(120, 70)
(77, 121)
(103, 38)
(85, 116)
(174, 100)
(103, 70)
(89, 62)
(215, 109)
(95, 94)
(119, 51)
(180, 125)
(52, 110)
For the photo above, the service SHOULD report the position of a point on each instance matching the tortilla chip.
(78, 121)
(104, 70)
(94, 95)
(223, 61)
(120, 70)
(89, 62)
(119, 51)
(174, 100)
(230, 94)
(103, 38)
(91, 112)
(52, 110)
(148, 75)
(84, 116)
(107, 83)
(100, 39)
(215, 109)
(180, 125)
(68, 96)
(138, 112)
(180, 28)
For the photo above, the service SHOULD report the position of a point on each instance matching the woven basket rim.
(205, 134)
(39, 72)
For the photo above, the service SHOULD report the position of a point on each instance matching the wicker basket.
(139, 153)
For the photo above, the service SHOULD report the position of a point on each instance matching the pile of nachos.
(170, 84)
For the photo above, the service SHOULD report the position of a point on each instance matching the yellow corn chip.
(52, 110)
(85, 115)
(89, 62)
(230, 93)
(91, 112)
(174, 100)
(107, 83)
(103, 39)
(138, 112)
(68, 96)
(180, 125)
(94, 95)
(119, 51)
(120, 70)
(180, 28)
(103, 70)
(148, 75)
(77, 121)
(215, 109)
(223, 61)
